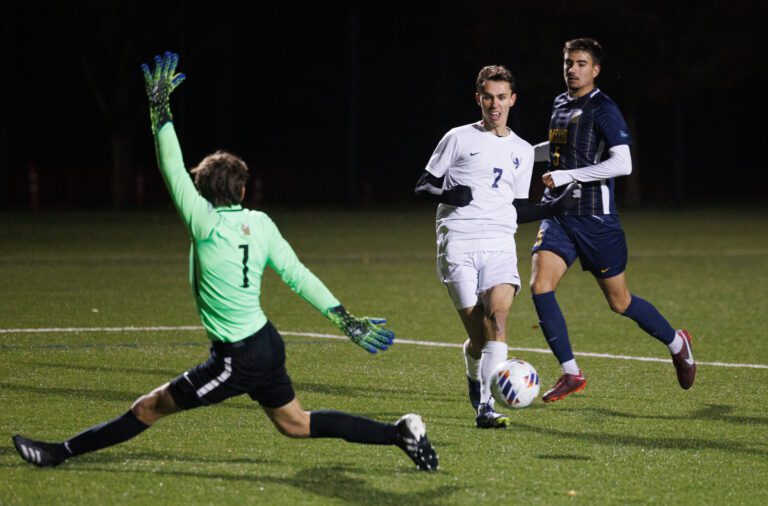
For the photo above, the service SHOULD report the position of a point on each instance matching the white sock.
(473, 364)
(494, 353)
(570, 367)
(676, 345)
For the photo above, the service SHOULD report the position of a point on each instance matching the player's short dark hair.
(494, 73)
(220, 178)
(585, 44)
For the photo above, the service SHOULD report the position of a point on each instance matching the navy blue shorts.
(597, 241)
(253, 366)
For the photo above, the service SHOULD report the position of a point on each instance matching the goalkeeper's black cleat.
(412, 438)
(473, 388)
(39, 453)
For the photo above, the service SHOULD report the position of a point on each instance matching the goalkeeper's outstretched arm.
(159, 83)
(364, 332)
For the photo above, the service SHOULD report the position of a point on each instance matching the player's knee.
(153, 406)
(539, 286)
(295, 426)
(619, 304)
(145, 408)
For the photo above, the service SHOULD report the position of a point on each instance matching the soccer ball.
(515, 383)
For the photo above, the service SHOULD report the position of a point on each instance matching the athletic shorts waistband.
(242, 345)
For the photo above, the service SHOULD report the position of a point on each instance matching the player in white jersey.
(480, 174)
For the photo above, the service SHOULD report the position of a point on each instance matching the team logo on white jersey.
(516, 161)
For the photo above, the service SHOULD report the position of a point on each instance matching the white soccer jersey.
(498, 170)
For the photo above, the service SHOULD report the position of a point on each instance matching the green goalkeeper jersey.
(231, 246)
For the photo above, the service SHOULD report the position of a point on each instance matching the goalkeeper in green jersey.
(231, 246)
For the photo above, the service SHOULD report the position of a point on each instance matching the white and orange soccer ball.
(515, 383)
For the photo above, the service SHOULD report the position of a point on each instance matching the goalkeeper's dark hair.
(494, 73)
(220, 178)
(588, 45)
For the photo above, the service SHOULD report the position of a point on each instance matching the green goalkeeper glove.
(364, 332)
(159, 85)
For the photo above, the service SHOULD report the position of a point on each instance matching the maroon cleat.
(683, 361)
(567, 384)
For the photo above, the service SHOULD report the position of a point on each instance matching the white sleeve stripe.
(606, 194)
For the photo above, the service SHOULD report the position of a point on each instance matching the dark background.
(342, 103)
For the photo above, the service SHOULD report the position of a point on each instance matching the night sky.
(342, 103)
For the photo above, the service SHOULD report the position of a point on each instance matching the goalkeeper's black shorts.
(253, 366)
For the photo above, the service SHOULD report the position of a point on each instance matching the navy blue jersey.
(580, 131)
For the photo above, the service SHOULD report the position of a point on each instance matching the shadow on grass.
(115, 395)
(335, 482)
(368, 391)
(712, 413)
(563, 457)
(120, 457)
(169, 373)
(97, 346)
(111, 457)
(102, 395)
(671, 443)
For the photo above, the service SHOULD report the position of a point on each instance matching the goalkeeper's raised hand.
(364, 332)
(159, 84)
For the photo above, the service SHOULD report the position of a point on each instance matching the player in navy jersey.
(586, 125)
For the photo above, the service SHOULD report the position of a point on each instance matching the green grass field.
(633, 436)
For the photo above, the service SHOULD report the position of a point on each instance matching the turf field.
(633, 436)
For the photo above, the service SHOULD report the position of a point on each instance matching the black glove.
(458, 196)
(569, 199)
(431, 187)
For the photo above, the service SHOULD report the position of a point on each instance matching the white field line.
(162, 328)
(362, 256)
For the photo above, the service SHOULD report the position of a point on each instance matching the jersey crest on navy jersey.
(581, 130)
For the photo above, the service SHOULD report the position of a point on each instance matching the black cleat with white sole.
(488, 418)
(39, 453)
(412, 438)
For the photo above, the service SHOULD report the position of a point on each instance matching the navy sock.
(649, 319)
(552, 323)
(106, 434)
(354, 429)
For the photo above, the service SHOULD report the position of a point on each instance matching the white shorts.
(467, 275)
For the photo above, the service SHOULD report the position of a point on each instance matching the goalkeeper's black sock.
(106, 434)
(355, 429)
